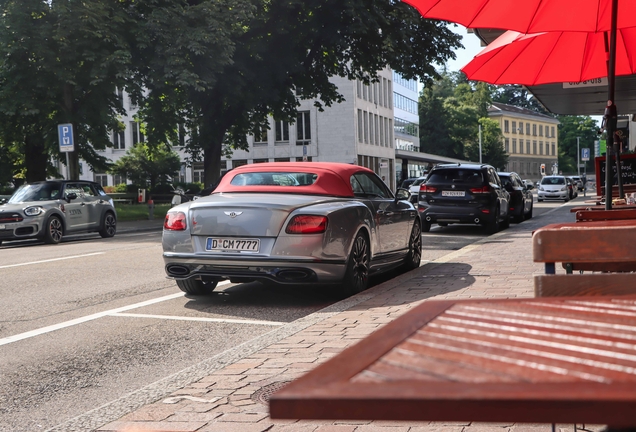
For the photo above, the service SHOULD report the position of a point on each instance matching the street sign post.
(65, 134)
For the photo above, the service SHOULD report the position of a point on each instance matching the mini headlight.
(33, 211)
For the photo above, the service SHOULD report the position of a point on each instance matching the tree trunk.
(35, 156)
(212, 134)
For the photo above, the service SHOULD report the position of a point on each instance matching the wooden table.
(553, 360)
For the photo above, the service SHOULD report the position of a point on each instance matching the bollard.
(151, 209)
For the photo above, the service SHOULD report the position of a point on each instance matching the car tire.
(539, 200)
(414, 255)
(505, 224)
(196, 286)
(529, 215)
(520, 218)
(426, 226)
(53, 230)
(356, 277)
(109, 226)
(492, 226)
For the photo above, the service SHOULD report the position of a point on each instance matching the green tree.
(61, 63)
(147, 165)
(517, 95)
(571, 127)
(492, 148)
(281, 50)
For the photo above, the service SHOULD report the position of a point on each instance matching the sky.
(471, 48)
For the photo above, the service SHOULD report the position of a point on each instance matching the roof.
(333, 178)
(498, 107)
(461, 165)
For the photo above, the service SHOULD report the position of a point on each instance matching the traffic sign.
(585, 154)
(65, 134)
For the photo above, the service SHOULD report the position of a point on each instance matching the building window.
(552, 132)
(507, 145)
(360, 124)
(514, 127)
(282, 131)
(300, 159)
(540, 130)
(260, 136)
(404, 103)
(540, 147)
(303, 128)
(527, 128)
(521, 146)
(506, 126)
(137, 135)
(521, 129)
(514, 143)
(182, 135)
(197, 172)
(371, 135)
(534, 147)
(102, 179)
(260, 161)
(359, 89)
(120, 96)
(553, 149)
(119, 140)
(118, 179)
(282, 160)
(534, 130)
(366, 127)
(528, 146)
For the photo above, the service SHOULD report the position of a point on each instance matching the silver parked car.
(292, 223)
(553, 187)
(49, 210)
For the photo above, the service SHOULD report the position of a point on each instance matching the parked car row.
(473, 194)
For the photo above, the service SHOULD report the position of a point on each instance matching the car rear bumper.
(186, 266)
(553, 195)
(470, 215)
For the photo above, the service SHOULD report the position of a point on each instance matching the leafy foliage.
(571, 127)
(147, 166)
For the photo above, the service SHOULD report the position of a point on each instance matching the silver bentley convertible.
(292, 223)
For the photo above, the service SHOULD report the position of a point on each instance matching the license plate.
(453, 193)
(232, 245)
(2, 227)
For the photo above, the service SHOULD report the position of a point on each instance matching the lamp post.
(480, 143)
(578, 155)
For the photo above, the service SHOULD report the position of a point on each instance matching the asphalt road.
(92, 319)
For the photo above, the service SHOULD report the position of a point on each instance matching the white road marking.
(81, 320)
(184, 318)
(51, 260)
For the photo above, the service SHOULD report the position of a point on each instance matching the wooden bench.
(601, 215)
(599, 246)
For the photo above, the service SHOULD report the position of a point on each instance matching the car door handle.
(386, 213)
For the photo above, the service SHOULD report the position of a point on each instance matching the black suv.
(464, 193)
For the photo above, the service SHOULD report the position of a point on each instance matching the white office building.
(366, 129)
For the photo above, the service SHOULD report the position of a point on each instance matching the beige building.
(530, 139)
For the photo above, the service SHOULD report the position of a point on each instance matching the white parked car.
(553, 187)
(415, 189)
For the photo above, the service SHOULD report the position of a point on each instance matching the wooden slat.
(606, 241)
(593, 215)
(592, 284)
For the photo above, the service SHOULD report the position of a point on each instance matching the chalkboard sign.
(628, 171)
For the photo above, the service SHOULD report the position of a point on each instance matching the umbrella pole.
(610, 109)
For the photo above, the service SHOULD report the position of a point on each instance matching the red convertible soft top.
(332, 178)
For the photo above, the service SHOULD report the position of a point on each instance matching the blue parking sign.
(585, 154)
(65, 134)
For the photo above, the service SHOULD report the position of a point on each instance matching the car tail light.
(175, 221)
(427, 189)
(307, 224)
(481, 190)
(485, 211)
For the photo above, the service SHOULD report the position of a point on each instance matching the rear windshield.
(274, 179)
(464, 176)
(553, 181)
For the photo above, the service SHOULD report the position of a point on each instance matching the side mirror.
(70, 196)
(402, 194)
(3, 200)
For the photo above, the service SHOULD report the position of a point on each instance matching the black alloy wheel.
(414, 256)
(53, 231)
(110, 226)
(196, 286)
(357, 275)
